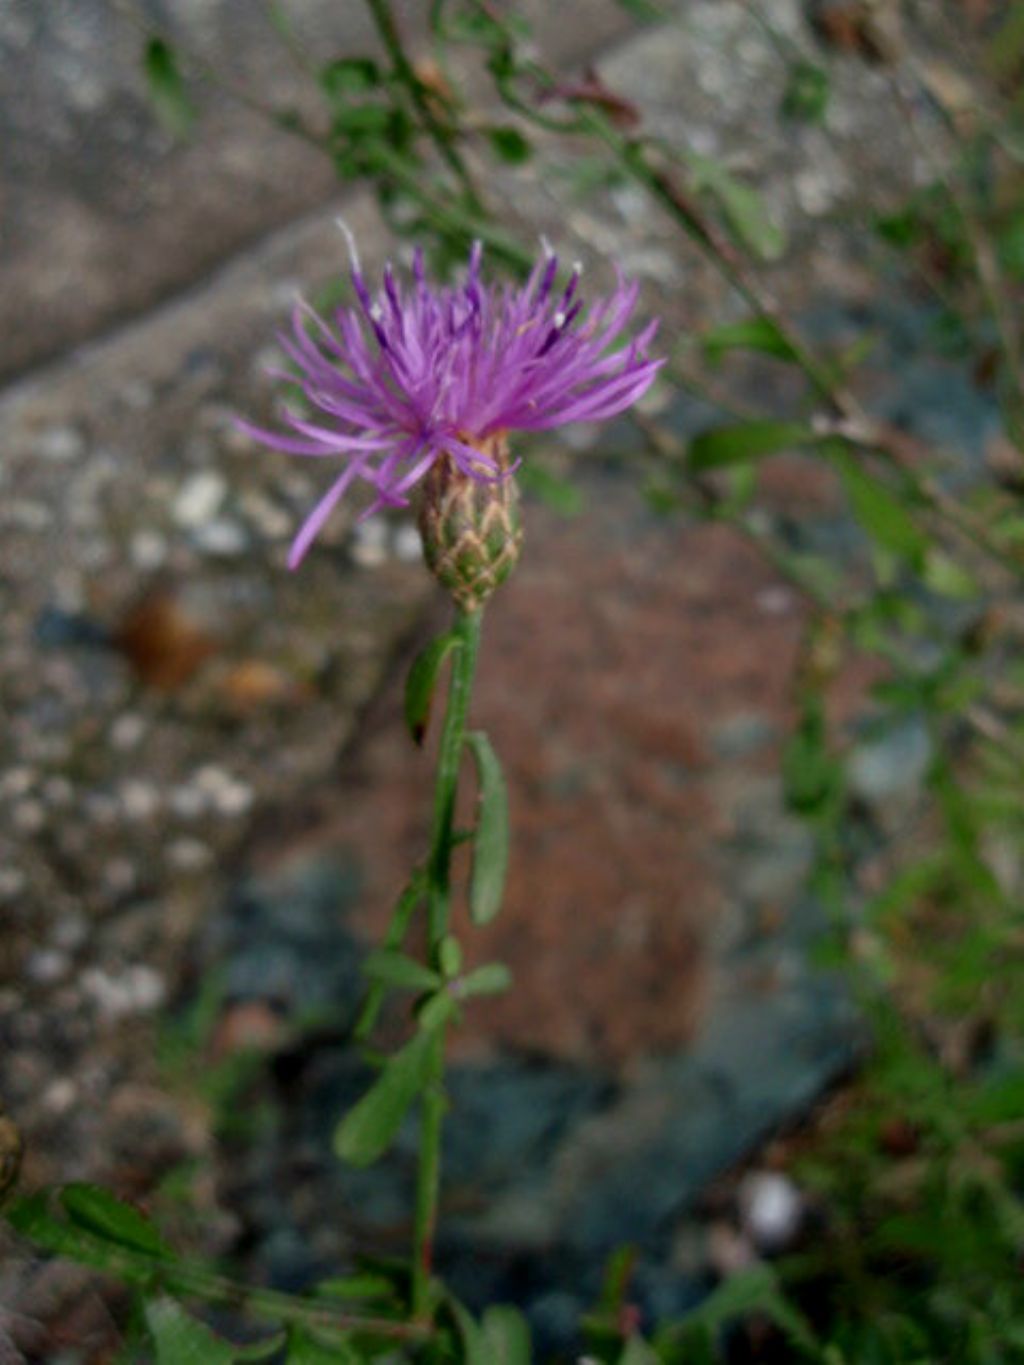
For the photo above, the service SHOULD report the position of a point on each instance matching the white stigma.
(350, 242)
(546, 247)
(559, 319)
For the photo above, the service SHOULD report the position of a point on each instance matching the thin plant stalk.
(380, 11)
(453, 735)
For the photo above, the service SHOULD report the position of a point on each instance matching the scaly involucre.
(425, 371)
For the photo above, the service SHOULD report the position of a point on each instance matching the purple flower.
(420, 372)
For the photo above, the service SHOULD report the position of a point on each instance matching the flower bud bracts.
(471, 528)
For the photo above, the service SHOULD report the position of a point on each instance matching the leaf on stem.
(166, 87)
(490, 842)
(475, 1346)
(393, 968)
(742, 441)
(397, 929)
(98, 1211)
(509, 144)
(806, 96)
(369, 1128)
(637, 1352)
(305, 1349)
(750, 334)
(490, 979)
(507, 1336)
(180, 1339)
(879, 511)
(422, 680)
(742, 208)
(349, 76)
(755, 1290)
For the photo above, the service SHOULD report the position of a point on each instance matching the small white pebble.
(16, 782)
(70, 932)
(188, 855)
(210, 779)
(199, 499)
(266, 516)
(148, 549)
(127, 730)
(59, 1095)
(139, 800)
(771, 1207)
(58, 791)
(120, 876)
(29, 817)
(12, 883)
(408, 544)
(188, 802)
(47, 965)
(222, 538)
(137, 989)
(60, 444)
(234, 799)
(813, 192)
(369, 543)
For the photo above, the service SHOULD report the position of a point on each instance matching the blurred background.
(759, 701)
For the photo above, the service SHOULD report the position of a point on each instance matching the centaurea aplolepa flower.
(424, 374)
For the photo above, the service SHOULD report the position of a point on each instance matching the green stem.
(467, 631)
(406, 73)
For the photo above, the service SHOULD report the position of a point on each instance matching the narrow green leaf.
(349, 76)
(368, 1129)
(475, 1346)
(395, 936)
(637, 1352)
(1010, 245)
(366, 1285)
(510, 145)
(750, 1291)
(34, 1219)
(435, 1013)
(490, 979)
(878, 510)
(99, 1212)
(180, 1339)
(812, 776)
(1006, 46)
(450, 956)
(750, 334)
(393, 968)
(422, 680)
(261, 1350)
(742, 208)
(305, 1349)
(806, 96)
(948, 578)
(644, 10)
(166, 87)
(746, 441)
(490, 845)
(507, 1336)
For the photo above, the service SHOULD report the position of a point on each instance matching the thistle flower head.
(417, 375)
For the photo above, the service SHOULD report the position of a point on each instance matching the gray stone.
(891, 764)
